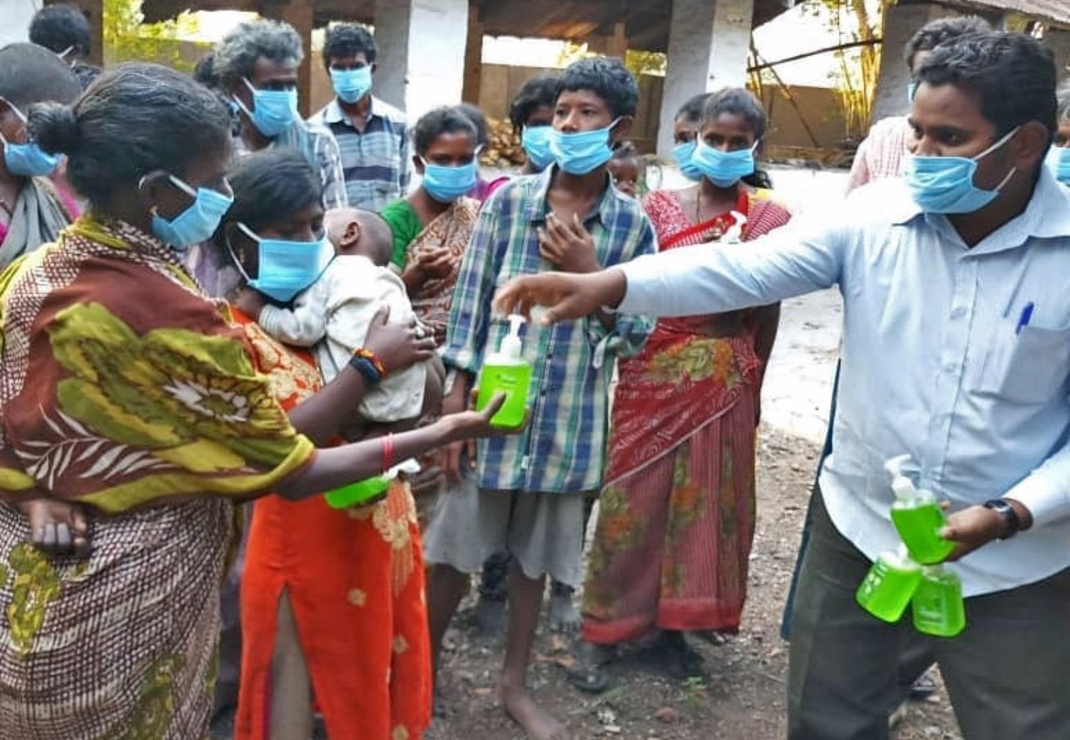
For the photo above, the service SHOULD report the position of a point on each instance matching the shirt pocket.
(1029, 365)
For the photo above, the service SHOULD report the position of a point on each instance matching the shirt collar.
(606, 210)
(333, 113)
(1046, 216)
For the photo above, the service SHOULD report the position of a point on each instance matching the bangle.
(388, 452)
(366, 369)
(367, 354)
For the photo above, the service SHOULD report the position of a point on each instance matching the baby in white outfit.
(333, 316)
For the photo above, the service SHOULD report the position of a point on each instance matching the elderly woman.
(125, 391)
(32, 212)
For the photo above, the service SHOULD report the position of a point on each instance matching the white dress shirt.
(934, 361)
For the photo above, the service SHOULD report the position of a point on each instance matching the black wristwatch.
(1011, 523)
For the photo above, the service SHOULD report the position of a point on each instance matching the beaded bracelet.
(388, 452)
(371, 357)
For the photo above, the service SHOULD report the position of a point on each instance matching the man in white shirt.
(957, 351)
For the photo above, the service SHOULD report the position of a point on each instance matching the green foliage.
(128, 38)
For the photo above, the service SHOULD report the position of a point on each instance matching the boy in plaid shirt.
(526, 494)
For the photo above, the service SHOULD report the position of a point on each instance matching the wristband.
(366, 369)
(367, 354)
(1011, 521)
(388, 453)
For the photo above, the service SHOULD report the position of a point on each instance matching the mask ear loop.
(233, 255)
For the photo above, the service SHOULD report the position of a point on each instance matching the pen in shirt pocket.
(1027, 314)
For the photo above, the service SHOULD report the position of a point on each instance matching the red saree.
(676, 515)
(355, 581)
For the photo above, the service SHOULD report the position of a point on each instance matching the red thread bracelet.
(388, 452)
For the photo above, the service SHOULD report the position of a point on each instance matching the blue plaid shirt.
(375, 161)
(562, 449)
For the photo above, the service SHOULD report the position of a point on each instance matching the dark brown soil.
(742, 695)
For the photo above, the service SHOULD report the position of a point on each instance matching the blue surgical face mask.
(273, 111)
(195, 224)
(912, 90)
(723, 169)
(350, 85)
(27, 160)
(285, 267)
(582, 152)
(446, 183)
(945, 184)
(1058, 161)
(536, 143)
(683, 154)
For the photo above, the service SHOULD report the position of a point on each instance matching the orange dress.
(355, 580)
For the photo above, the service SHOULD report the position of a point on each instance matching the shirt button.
(950, 367)
(958, 312)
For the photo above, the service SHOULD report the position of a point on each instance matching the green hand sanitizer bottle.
(888, 587)
(938, 606)
(370, 490)
(506, 371)
(917, 517)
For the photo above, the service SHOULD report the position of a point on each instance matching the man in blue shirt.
(956, 351)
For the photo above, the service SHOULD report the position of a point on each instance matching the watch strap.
(1010, 517)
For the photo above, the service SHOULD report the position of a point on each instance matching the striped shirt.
(375, 161)
(318, 147)
(562, 450)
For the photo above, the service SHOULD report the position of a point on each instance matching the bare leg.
(445, 589)
(525, 604)
(291, 688)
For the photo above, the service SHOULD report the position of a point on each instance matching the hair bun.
(54, 127)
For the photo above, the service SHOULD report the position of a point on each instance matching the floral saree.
(676, 516)
(122, 388)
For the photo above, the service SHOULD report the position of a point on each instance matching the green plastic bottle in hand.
(889, 586)
(938, 606)
(917, 517)
(506, 371)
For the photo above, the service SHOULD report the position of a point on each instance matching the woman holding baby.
(150, 408)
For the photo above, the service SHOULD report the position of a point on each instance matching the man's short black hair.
(538, 92)
(609, 79)
(934, 33)
(347, 40)
(60, 27)
(1012, 74)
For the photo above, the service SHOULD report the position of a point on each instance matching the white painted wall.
(708, 45)
(421, 53)
(16, 15)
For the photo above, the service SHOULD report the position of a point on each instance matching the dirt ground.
(741, 697)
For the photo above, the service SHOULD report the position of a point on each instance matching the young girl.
(677, 510)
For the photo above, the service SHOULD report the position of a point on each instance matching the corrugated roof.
(1052, 11)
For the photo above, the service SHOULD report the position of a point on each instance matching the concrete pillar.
(708, 45)
(17, 15)
(421, 52)
(901, 22)
(473, 57)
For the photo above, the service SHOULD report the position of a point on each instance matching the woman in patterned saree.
(125, 392)
(332, 600)
(677, 511)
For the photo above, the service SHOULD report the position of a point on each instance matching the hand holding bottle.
(976, 526)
